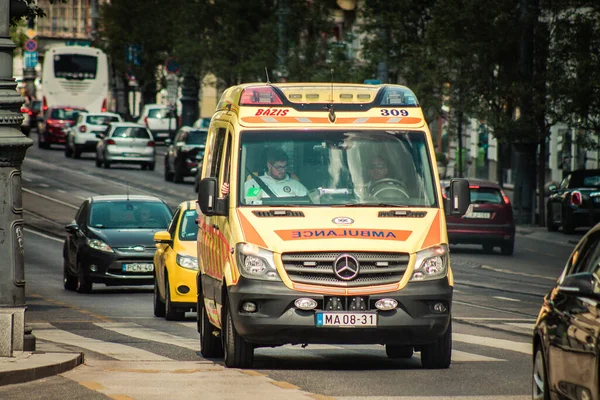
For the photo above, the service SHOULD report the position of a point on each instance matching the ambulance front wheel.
(438, 355)
(238, 352)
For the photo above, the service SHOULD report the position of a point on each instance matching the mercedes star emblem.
(346, 267)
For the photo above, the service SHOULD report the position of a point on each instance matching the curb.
(45, 365)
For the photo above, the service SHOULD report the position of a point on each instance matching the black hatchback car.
(184, 153)
(111, 241)
(566, 338)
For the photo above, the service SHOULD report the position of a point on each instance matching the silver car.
(126, 143)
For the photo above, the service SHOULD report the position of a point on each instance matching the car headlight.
(98, 244)
(188, 262)
(256, 263)
(431, 263)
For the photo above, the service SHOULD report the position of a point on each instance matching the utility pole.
(282, 51)
(13, 144)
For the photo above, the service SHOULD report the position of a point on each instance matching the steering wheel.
(388, 184)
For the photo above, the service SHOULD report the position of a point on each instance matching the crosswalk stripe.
(187, 324)
(492, 342)
(463, 356)
(141, 332)
(48, 332)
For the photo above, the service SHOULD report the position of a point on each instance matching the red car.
(488, 221)
(57, 121)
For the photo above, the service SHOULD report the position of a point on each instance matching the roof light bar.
(260, 96)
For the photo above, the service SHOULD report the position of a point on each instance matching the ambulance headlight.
(431, 263)
(256, 263)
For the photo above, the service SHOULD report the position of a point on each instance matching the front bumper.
(109, 267)
(277, 321)
(480, 234)
(183, 283)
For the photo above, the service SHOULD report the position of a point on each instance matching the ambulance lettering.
(342, 233)
(271, 112)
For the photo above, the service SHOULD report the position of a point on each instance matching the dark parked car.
(575, 202)
(184, 153)
(566, 356)
(111, 241)
(56, 123)
(489, 220)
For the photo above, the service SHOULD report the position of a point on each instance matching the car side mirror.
(208, 200)
(72, 228)
(582, 284)
(163, 237)
(168, 142)
(551, 188)
(459, 198)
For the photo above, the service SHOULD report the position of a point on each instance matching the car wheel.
(567, 222)
(210, 345)
(396, 351)
(438, 355)
(151, 166)
(84, 283)
(105, 162)
(508, 248)
(552, 227)
(77, 152)
(237, 352)
(98, 162)
(488, 248)
(168, 173)
(69, 281)
(172, 313)
(540, 387)
(159, 304)
(42, 141)
(144, 166)
(68, 151)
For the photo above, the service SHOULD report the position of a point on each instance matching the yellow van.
(321, 220)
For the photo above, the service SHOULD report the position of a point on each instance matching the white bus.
(76, 76)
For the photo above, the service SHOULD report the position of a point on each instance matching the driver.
(276, 178)
(377, 170)
(380, 182)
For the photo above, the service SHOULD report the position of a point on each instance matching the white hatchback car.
(82, 137)
(126, 143)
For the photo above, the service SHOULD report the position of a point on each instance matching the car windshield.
(188, 230)
(64, 113)
(36, 105)
(160, 113)
(346, 168)
(101, 119)
(131, 132)
(129, 214)
(196, 137)
(483, 195)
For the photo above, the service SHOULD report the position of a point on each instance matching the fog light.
(304, 303)
(386, 304)
(183, 289)
(93, 268)
(440, 308)
(249, 306)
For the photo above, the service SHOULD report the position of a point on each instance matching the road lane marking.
(43, 235)
(49, 198)
(507, 271)
(506, 298)
(511, 345)
(141, 332)
(45, 185)
(61, 191)
(121, 352)
(463, 356)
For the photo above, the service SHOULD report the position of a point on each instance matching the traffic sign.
(172, 65)
(133, 54)
(31, 33)
(30, 58)
(30, 45)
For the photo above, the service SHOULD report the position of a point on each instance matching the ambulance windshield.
(343, 168)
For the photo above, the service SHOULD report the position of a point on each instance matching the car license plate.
(138, 267)
(131, 154)
(481, 215)
(346, 319)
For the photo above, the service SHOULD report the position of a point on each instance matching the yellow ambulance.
(321, 220)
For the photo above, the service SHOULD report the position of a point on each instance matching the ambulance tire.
(159, 304)
(438, 355)
(172, 313)
(398, 351)
(238, 352)
(210, 345)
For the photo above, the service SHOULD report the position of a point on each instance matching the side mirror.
(163, 237)
(72, 227)
(208, 200)
(168, 142)
(581, 284)
(551, 188)
(459, 199)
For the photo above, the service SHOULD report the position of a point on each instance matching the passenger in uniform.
(276, 179)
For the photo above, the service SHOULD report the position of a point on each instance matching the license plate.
(131, 154)
(138, 267)
(482, 215)
(346, 319)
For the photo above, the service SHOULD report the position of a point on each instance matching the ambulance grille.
(317, 268)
